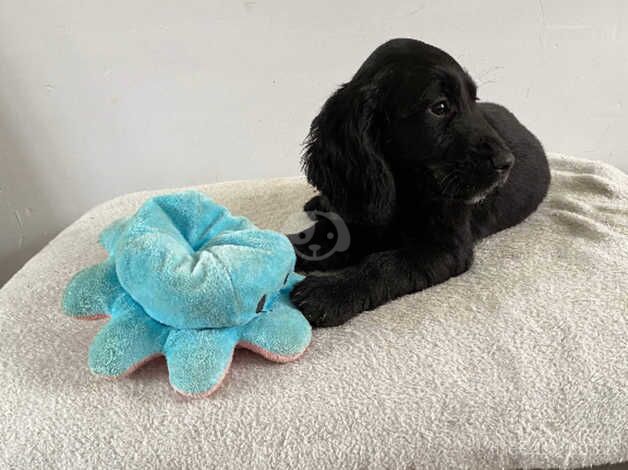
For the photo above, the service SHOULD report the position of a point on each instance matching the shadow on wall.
(23, 229)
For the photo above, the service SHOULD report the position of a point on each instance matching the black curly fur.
(415, 186)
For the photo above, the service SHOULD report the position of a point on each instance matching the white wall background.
(102, 98)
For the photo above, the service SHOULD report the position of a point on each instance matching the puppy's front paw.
(324, 300)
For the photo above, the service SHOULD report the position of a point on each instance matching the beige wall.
(102, 98)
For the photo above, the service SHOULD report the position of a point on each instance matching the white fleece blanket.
(520, 362)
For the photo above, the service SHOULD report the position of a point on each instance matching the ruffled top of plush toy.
(177, 257)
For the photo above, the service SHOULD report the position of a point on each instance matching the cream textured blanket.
(521, 362)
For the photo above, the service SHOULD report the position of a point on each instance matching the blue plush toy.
(187, 280)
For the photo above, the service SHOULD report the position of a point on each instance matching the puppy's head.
(408, 116)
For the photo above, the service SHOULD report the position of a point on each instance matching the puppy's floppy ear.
(343, 159)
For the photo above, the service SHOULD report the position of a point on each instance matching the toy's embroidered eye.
(286, 279)
(260, 304)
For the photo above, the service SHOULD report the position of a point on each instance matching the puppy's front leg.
(332, 299)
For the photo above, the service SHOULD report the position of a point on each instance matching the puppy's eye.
(440, 108)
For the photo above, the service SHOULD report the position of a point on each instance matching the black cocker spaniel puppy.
(418, 170)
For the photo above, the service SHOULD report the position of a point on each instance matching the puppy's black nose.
(502, 161)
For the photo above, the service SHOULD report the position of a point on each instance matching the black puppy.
(419, 171)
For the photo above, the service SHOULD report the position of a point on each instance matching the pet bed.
(520, 362)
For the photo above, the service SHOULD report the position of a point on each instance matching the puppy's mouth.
(462, 187)
(480, 195)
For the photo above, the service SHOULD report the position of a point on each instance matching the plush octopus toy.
(187, 280)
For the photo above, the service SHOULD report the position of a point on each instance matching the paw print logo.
(328, 235)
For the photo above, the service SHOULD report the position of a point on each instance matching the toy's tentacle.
(199, 359)
(293, 279)
(92, 291)
(124, 343)
(96, 292)
(109, 236)
(281, 334)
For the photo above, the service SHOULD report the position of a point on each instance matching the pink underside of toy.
(98, 316)
(137, 365)
(267, 354)
(243, 345)
(211, 390)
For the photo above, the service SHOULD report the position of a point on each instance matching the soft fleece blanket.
(521, 362)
